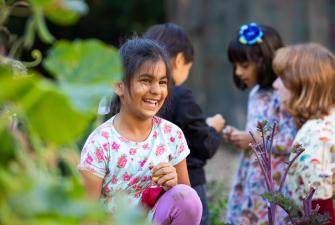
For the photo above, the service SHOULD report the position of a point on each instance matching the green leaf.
(53, 117)
(81, 61)
(13, 87)
(86, 71)
(284, 202)
(48, 111)
(85, 97)
(8, 146)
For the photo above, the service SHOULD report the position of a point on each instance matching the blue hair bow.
(250, 34)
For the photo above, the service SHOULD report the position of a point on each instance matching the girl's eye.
(245, 65)
(146, 81)
(163, 82)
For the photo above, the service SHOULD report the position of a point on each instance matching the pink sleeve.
(181, 150)
(93, 158)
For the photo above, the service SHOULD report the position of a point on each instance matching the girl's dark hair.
(173, 38)
(134, 53)
(260, 53)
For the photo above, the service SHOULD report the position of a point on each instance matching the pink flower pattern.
(132, 151)
(121, 163)
(99, 155)
(124, 165)
(160, 150)
(115, 146)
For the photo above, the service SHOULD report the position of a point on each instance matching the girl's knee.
(186, 198)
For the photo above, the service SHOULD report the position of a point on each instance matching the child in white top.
(127, 151)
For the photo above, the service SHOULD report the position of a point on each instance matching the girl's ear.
(119, 88)
(179, 60)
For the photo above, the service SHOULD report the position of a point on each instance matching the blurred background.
(211, 24)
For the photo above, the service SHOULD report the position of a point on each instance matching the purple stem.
(267, 181)
(287, 169)
(308, 203)
(270, 152)
(260, 149)
(273, 212)
(261, 163)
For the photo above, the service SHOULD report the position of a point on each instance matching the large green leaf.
(85, 62)
(53, 117)
(85, 70)
(85, 97)
(48, 111)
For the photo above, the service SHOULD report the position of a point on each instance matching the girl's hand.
(165, 175)
(240, 139)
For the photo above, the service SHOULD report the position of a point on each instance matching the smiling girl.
(128, 150)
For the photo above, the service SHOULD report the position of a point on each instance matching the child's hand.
(216, 121)
(227, 133)
(240, 139)
(165, 175)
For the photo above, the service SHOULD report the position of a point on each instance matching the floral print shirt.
(316, 165)
(125, 165)
(245, 204)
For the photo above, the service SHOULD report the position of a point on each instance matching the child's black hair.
(260, 53)
(134, 53)
(173, 38)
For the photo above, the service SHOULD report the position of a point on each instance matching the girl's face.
(147, 92)
(283, 92)
(246, 72)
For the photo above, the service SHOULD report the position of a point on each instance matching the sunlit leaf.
(86, 97)
(81, 61)
(86, 71)
(53, 117)
(49, 112)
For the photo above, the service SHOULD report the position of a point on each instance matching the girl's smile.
(147, 91)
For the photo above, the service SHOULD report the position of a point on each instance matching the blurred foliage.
(217, 205)
(64, 12)
(85, 71)
(107, 20)
(41, 121)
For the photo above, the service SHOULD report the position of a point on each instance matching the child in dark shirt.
(202, 135)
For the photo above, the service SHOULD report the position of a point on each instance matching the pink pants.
(180, 205)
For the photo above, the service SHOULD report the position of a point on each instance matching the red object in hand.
(151, 195)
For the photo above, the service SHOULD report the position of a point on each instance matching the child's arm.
(182, 173)
(92, 185)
